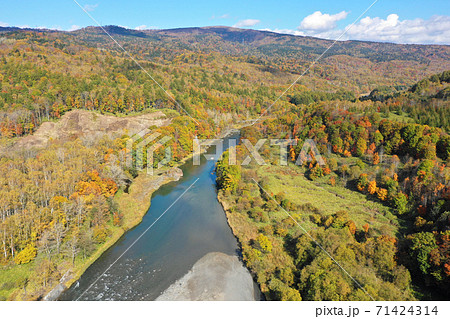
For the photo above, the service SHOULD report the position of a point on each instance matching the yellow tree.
(372, 187)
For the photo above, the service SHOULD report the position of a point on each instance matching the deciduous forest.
(378, 112)
(390, 222)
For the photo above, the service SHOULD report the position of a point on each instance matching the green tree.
(228, 176)
(361, 146)
(422, 244)
(400, 203)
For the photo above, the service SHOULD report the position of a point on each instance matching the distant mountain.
(271, 43)
(112, 30)
(272, 50)
(9, 29)
(226, 33)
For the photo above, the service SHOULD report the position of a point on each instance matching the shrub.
(264, 243)
(382, 194)
(100, 234)
(363, 182)
(280, 231)
(280, 291)
(258, 215)
(26, 255)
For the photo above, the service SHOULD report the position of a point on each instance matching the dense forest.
(59, 204)
(398, 165)
(44, 74)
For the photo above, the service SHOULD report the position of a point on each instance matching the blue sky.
(388, 20)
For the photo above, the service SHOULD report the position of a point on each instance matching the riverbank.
(133, 205)
(215, 277)
(238, 225)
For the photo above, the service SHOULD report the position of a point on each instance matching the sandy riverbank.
(216, 276)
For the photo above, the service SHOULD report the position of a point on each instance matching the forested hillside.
(59, 204)
(380, 205)
(209, 71)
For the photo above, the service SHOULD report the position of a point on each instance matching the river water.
(194, 226)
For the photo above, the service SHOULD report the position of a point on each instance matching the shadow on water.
(194, 226)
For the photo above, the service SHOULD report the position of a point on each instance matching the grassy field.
(328, 199)
(402, 118)
(275, 249)
(10, 276)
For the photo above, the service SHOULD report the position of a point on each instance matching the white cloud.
(284, 31)
(141, 27)
(3, 24)
(322, 21)
(55, 27)
(74, 27)
(146, 27)
(223, 16)
(246, 23)
(435, 30)
(90, 7)
(392, 29)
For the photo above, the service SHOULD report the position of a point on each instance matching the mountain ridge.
(215, 29)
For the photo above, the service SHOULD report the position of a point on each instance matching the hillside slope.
(78, 123)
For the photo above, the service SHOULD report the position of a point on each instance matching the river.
(194, 226)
